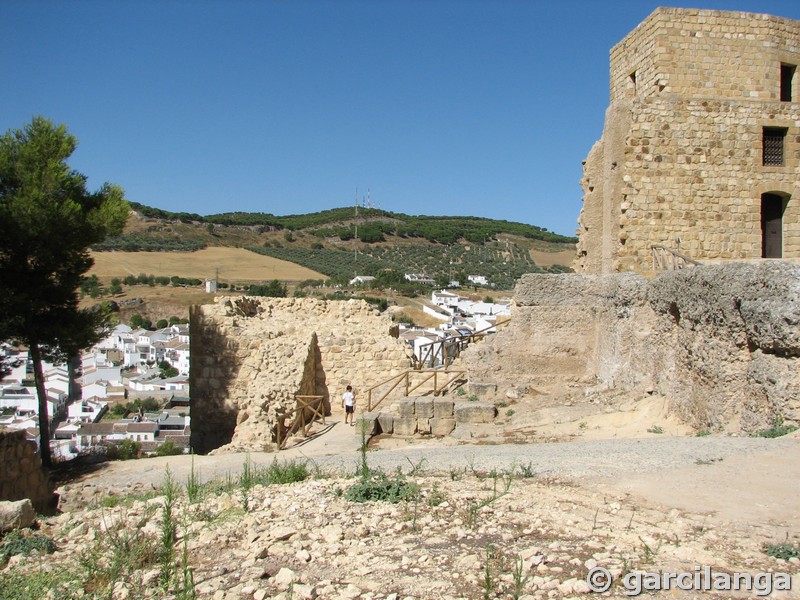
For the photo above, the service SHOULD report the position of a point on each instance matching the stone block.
(423, 426)
(405, 425)
(442, 408)
(442, 426)
(481, 390)
(423, 407)
(16, 515)
(368, 420)
(405, 407)
(386, 422)
(475, 412)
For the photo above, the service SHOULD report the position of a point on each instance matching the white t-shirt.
(349, 398)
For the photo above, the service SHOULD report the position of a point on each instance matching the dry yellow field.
(548, 259)
(232, 264)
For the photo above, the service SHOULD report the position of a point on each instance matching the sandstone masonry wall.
(722, 343)
(21, 472)
(251, 356)
(680, 160)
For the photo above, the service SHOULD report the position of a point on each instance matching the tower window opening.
(787, 75)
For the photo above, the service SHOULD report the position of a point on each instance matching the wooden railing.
(669, 259)
(307, 409)
(441, 378)
(443, 352)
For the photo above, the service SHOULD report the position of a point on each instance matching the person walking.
(349, 404)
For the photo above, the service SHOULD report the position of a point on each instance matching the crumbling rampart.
(21, 472)
(722, 343)
(252, 356)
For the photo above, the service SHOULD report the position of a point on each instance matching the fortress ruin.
(251, 358)
(700, 150)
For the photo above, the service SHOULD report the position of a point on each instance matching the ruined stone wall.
(251, 356)
(21, 472)
(721, 343)
(680, 160)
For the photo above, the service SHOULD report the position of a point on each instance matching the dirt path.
(751, 481)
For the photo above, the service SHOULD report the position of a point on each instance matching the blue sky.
(483, 108)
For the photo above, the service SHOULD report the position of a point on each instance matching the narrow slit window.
(633, 83)
(787, 75)
(773, 139)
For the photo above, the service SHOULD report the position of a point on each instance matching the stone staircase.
(430, 416)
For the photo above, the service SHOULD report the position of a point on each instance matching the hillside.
(336, 244)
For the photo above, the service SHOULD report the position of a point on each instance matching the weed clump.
(778, 429)
(15, 543)
(783, 550)
(374, 485)
(378, 487)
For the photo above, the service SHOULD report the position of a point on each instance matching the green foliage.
(38, 582)
(169, 530)
(778, 429)
(168, 448)
(655, 429)
(118, 410)
(378, 487)
(370, 233)
(374, 485)
(286, 472)
(194, 489)
(389, 264)
(273, 289)
(48, 220)
(132, 242)
(148, 404)
(167, 370)
(91, 286)
(116, 286)
(119, 554)
(15, 542)
(123, 450)
(138, 321)
(276, 474)
(784, 550)
(162, 324)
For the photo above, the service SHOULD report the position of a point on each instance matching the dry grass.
(233, 265)
(547, 259)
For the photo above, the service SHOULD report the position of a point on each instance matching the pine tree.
(48, 220)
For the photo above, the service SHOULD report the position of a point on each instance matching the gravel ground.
(576, 459)
(582, 459)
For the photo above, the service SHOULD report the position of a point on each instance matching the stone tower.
(701, 145)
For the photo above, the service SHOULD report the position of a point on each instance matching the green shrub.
(778, 429)
(39, 582)
(15, 543)
(168, 448)
(123, 450)
(286, 472)
(784, 550)
(378, 487)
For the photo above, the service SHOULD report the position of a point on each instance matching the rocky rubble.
(468, 535)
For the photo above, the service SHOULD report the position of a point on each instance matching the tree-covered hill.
(372, 225)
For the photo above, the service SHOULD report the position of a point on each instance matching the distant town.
(134, 384)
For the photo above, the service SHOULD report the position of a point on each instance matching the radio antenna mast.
(355, 240)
